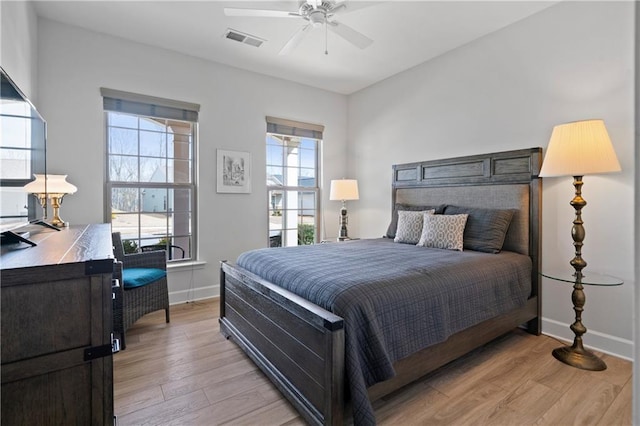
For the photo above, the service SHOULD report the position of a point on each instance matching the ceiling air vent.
(243, 38)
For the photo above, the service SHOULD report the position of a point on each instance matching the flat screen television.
(23, 153)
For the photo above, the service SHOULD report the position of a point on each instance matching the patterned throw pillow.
(410, 226)
(391, 230)
(443, 231)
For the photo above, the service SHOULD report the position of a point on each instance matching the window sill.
(186, 266)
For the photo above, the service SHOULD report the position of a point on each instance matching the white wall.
(506, 91)
(75, 63)
(18, 45)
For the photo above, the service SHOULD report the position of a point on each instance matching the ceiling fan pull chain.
(326, 37)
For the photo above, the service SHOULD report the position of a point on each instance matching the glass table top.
(588, 278)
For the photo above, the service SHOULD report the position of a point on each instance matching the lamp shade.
(344, 189)
(55, 184)
(36, 186)
(579, 148)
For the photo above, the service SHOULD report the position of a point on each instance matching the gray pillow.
(410, 226)
(443, 231)
(391, 230)
(485, 229)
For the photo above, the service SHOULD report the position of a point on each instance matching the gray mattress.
(395, 298)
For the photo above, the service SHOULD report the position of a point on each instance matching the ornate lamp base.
(56, 201)
(343, 234)
(576, 355)
(580, 358)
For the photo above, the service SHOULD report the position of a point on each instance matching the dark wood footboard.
(300, 346)
(297, 344)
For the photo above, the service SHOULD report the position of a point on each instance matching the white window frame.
(142, 106)
(288, 236)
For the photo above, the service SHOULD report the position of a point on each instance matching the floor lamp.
(577, 149)
(343, 190)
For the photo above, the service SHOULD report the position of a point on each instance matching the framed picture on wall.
(234, 171)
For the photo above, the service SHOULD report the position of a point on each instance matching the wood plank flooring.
(186, 373)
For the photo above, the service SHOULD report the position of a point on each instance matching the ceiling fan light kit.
(317, 18)
(317, 13)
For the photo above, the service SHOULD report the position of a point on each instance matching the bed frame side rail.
(297, 344)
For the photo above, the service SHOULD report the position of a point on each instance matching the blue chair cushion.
(137, 277)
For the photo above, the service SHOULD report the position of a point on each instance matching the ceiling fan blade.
(295, 40)
(232, 11)
(351, 35)
(338, 7)
(348, 6)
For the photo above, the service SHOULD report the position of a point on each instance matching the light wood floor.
(186, 373)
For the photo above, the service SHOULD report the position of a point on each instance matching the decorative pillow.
(391, 230)
(486, 228)
(410, 226)
(443, 231)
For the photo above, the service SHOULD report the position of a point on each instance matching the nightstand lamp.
(577, 149)
(343, 190)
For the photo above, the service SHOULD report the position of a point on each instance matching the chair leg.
(166, 314)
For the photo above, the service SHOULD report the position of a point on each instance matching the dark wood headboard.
(504, 180)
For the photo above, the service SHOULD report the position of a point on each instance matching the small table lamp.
(344, 190)
(55, 187)
(577, 149)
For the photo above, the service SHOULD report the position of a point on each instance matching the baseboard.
(193, 294)
(612, 345)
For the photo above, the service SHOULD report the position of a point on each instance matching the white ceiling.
(405, 33)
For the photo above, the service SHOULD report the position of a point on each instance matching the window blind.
(285, 127)
(150, 106)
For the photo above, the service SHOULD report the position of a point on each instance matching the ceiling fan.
(317, 13)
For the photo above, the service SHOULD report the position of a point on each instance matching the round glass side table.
(576, 355)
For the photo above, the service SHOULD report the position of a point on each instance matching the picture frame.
(233, 171)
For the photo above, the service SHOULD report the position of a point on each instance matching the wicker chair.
(141, 300)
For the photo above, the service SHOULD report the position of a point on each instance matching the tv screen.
(22, 155)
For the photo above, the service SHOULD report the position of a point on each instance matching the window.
(292, 182)
(150, 179)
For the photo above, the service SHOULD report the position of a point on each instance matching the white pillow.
(410, 225)
(443, 231)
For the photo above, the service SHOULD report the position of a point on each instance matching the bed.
(357, 331)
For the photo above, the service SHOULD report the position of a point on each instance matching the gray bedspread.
(395, 298)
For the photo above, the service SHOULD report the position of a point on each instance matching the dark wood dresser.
(56, 299)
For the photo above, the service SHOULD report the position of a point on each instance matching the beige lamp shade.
(579, 148)
(36, 186)
(344, 189)
(55, 184)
